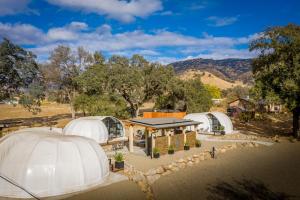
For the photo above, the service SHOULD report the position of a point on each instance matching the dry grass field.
(210, 79)
(52, 114)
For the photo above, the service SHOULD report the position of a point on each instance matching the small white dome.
(206, 120)
(49, 164)
(90, 127)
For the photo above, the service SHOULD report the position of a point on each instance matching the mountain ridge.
(230, 69)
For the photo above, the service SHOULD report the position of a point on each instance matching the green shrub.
(171, 148)
(221, 128)
(198, 143)
(155, 150)
(119, 157)
(186, 144)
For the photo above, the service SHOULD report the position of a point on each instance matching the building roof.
(161, 123)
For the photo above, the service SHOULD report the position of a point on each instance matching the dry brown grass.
(48, 109)
(269, 125)
(17, 117)
(210, 79)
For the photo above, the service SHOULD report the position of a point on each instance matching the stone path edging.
(145, 179)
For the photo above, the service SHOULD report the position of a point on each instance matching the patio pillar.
(152, 144)
(131, 138)
(184, 135)
(195, 128)
(169, 138)
(146, 141)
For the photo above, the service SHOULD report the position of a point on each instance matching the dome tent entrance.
(99, 128)
(211, 121)
(48, 164)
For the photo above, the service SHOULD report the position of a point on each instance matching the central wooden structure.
(163, 132)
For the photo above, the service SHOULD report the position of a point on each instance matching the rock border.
(145, 179)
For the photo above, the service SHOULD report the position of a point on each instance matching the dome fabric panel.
(199, 117)
(90, 127)
(50, 164)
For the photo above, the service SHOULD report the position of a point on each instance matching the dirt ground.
(257, 173)
(269, 126)
(125, 190)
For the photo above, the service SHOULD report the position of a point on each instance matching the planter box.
(119, 165)
(156, 155)
(171, 151)
(186, 148)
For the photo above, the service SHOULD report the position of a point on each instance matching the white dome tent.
(47, 164)
(209, 121)
(98, 128)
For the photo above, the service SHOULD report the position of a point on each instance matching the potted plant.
(119, 160)
(171, 149)
(198, 143)
(156, 152)
(186, 146)
(222, 128)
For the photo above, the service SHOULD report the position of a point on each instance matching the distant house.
(240, 105)
(269, 107)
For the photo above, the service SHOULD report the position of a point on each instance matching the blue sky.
(161, 30)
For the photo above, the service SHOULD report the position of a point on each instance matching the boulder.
(153, 178)
(175, 168)
(190, 163)
(160, 170)
(138, 177)
(181, 165)
(166, 173)
(143, 185)
(181, 161)
(150, 172)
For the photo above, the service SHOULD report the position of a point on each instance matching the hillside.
(209, 78)
(228, 69)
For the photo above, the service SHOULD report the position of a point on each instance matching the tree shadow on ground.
(244, 190)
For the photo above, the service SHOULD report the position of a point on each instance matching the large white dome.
(90, 127)
(48, 164)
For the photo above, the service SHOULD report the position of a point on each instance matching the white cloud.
(161, 45)
(21, 33)
(196, 7)
(221, 21)
(122, 10)
(12, 7)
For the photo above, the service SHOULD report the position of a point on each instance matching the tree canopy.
(134, 80)
(190, 96)
(277, 67)
(20, 76)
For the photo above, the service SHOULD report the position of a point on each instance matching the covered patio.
(161, 133)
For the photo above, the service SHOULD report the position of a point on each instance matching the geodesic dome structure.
(47, 164)
(98, 128)
(209, 122)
